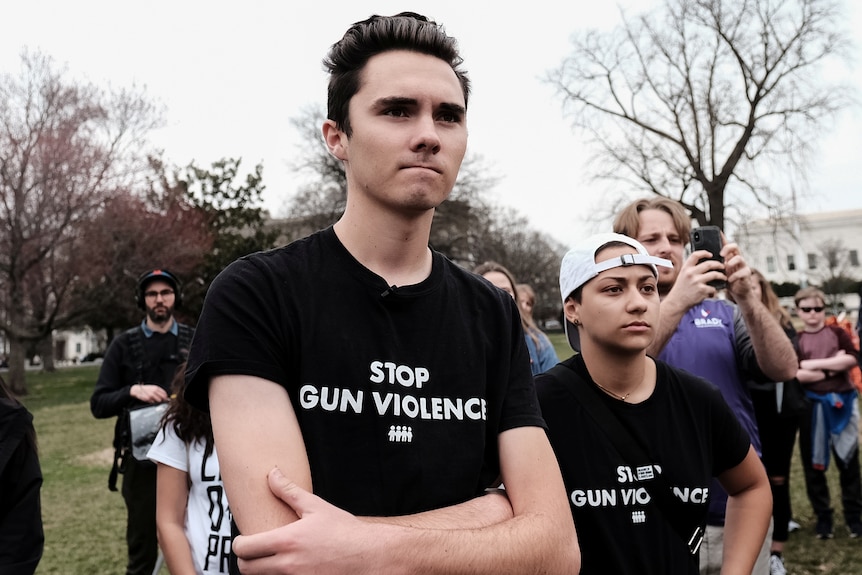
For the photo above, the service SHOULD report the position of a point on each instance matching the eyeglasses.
(817, 309)
(154, 294)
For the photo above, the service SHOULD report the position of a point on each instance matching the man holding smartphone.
(724, 343)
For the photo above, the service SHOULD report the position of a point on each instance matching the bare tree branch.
(65, 147)
(694, 99)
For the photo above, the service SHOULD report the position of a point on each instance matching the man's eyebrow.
(456, 108)
(395, 101)
(405, 101)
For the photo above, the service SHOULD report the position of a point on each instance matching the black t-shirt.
(400, 393)
(21, 535)
(691, 435)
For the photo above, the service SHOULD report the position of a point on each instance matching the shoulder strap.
(629, 446)
(184, 340)
(135, 341)
(136, 348)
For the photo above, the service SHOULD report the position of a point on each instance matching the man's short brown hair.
(627, 221)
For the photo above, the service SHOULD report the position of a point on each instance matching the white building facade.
(808, 251)
(72, 346)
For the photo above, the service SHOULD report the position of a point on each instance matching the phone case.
(709, 238)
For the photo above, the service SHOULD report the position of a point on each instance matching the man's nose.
(426, 136)
(661, 247)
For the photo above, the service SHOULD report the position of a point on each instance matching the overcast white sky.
(232, 74)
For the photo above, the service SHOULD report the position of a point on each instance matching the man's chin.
(159, 317)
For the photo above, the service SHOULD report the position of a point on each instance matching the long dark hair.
(189, 423)
(7, 397)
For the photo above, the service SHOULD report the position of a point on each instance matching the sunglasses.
(810, 309)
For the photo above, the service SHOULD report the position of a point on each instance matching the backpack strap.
(630, 447)
(135, 337)
(184, 340)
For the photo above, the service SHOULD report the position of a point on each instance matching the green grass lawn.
(85, 523)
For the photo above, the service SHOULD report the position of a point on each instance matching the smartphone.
(709, 238)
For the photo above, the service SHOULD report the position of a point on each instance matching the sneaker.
(792, 526)
(856, 529)
(824, 528)
(776, 566)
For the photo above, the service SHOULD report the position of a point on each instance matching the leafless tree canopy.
(693, 100)
(65, 146)
(834, 272)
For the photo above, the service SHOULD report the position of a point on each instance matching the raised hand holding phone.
(709, 238)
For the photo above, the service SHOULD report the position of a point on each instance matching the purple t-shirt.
(712, 341)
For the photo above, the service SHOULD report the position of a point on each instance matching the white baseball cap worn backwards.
(579, 264)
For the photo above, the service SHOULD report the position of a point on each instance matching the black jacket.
(21, 534)
(155, 363)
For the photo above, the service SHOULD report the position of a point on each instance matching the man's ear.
(336, 140)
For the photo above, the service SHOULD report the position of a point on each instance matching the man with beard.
(137, 371)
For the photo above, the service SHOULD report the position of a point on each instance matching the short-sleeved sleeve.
(169, 449)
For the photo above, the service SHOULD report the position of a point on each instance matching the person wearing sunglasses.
(831, 425)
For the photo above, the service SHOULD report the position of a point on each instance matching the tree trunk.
(716, 205)
(46, 352)
(16, 377)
